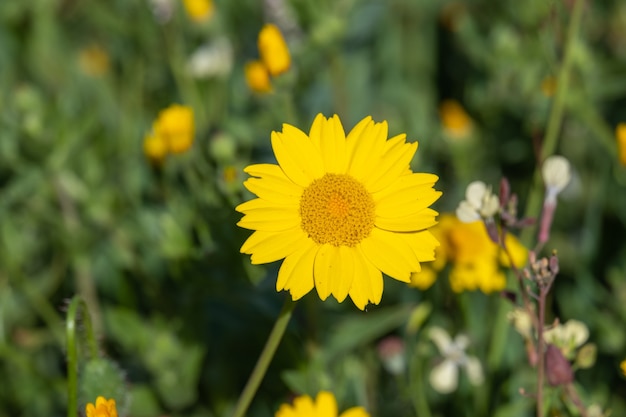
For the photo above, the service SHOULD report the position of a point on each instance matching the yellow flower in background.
(199, 10)
(257, 77)
(273, 50)
(476, 261)
(102, 408)
(454, 119)
(340, 210)
(325, 405)
(623, 367)
(548, 86)
(620, 134)
(175, 124)
(94, 60)
(155, 147)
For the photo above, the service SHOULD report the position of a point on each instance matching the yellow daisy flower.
(155, 147)
(257, 77)
(324, 405)
(455, 121)
(176, 125)
(102, 408)
(199, 10)
(340, 210)
(476, 260)
(273, 50)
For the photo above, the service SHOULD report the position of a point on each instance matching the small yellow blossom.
(324, 405)
(155, 147)
(620, 134)
(548, 86)
(103, 408)
(454, 119)
(623, 367)
(476, 260)
(199, 10)
(176, 125)
(273, 50)
(94, 60)
(257, 77)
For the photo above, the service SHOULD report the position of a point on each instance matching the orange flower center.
(338, 210)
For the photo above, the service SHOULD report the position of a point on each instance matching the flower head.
(456, 122)
(324, 405)
(199, 10)
(102, 408)
(176, 126)
(214, 59)
(445, 375)
(257, 77)
(273, 50)
(479, 203)
(620, 135)
(556, 174)
(567, 336)
(340, 210)
(476, 260)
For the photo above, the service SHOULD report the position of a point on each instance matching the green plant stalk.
(72, 350)
(264, 360)
(533, 205)
(416, 382)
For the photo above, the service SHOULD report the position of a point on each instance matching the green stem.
(554, 122)
(72, 349)
(417, 378)
(264, 360)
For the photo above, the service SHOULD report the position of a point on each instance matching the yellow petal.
(355, 412)
(392, 165)
(366, 149)
(326, 404)
(331, 140)
(265, 247)
(367, 285)
(296, 272)
(390, 254)
(411, 223)
(297, 157)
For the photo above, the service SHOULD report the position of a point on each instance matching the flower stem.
(543, 293)
(554, 122)
(72, 350)
(264, 360)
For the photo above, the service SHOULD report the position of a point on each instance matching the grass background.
(154, 250)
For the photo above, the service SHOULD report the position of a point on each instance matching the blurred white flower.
(162, 10)
(522, 322)
(444, 376)
(556, 174)
(211, 60)
(568, 336)
(479, 203)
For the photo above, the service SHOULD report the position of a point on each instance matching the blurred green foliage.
(154, 249)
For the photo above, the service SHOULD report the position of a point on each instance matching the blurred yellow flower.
(454, 119)
(273, 50)
(620, 134)
(102, 408)
(257, 77)
(340, 210)
(94, 60)
(475, 259)
(548, 86)
(175, 124)
(623, 367)
(199, 10)
(155, 147)
(325, 405)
